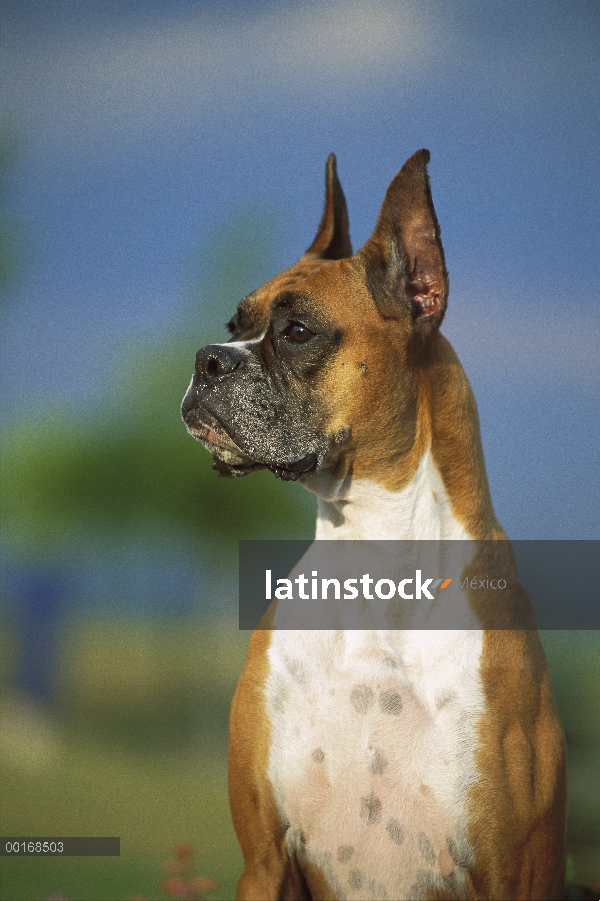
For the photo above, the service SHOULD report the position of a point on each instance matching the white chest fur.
(371, 760)
(373, 733)
(364, 510)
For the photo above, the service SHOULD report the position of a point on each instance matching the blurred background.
(158, 161)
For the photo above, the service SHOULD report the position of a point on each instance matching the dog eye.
(231, 326)
(297, 333)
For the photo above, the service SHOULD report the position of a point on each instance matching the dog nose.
(215, 361)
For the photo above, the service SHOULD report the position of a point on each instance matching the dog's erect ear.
(404, 258)
(333, 238)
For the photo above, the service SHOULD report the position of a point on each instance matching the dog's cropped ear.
(404, 258)
(333, 238)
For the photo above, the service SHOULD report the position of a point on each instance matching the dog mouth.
(208, 430)
(230, 460)
(291, 472)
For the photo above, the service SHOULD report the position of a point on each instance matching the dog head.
(319, 374)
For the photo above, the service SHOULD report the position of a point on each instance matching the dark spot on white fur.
(426, 848)
(370, 809)
(361, 698)
(378, 763)
(318, 755)
(462, 856)
(296, 669)
(279, 695)
(344, 853)
(426, 881)
(356, 880)
(378, 890)
(390, 702)
(395, 831)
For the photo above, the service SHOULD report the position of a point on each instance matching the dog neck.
(443, 491)
(365, 510)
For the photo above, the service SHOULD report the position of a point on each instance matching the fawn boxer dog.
(388, 763)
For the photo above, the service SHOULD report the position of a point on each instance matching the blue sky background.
(145, 127)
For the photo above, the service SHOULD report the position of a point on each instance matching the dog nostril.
(214, 362)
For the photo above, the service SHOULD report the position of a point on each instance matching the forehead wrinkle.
(288, 298)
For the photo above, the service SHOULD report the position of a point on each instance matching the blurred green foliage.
(574, 660)
(149, 684)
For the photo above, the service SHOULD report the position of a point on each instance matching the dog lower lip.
(228, 469)
(202, 424)
(291, 472)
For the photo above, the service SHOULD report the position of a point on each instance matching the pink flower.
(184, 851)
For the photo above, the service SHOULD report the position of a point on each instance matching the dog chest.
(372, 755)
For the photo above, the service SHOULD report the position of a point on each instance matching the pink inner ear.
(428, 302)
(428, 297)
(405, 253)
